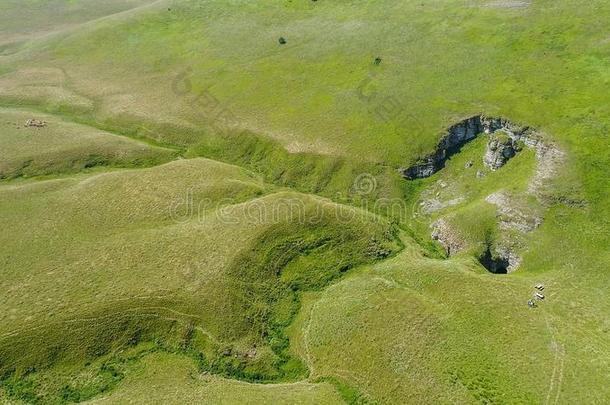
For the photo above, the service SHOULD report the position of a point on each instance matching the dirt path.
(554, 391)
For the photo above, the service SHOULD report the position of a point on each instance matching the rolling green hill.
(210, 215)
(61, 146)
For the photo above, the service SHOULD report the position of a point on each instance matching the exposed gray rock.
(500, 148)
(434, 204)
(499, 259)
(508, 254)
(549, 159)
(493, 262)
(514, 214)
(456, 136)
(447, 237)
(465, 131)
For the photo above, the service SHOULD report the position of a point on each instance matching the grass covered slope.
(196, 256)
(221, 280)
(27, 20)
(542, 64)
(203, 71)
(176, 381)
(61, 146)
(416, 330)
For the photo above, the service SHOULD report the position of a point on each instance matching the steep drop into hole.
(494, 264)
(463, 132)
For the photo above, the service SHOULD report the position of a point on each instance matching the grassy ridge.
(151, 279)
(406, 330)
(49, 17)
(64, 147)
(199, 272)
(509, 54)
(166, 375)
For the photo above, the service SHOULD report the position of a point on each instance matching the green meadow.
(207, 215)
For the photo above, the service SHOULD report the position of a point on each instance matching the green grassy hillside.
(199, 257)
(61, 146)
(212, 216)
(167, 375)
(23, 21)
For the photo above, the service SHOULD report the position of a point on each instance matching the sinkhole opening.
(493, 263)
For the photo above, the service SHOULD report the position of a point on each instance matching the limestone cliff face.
(463, 132)
(456, 136)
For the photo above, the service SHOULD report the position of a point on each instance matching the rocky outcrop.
(506, 140)
(465, 131)
(549, 160)
(515, 213)
(447, 237)
(501, 258)
(434, 204)
(508, 254)
(500, 148)
(456, 136)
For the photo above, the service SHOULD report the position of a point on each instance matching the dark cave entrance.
(495, 265)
